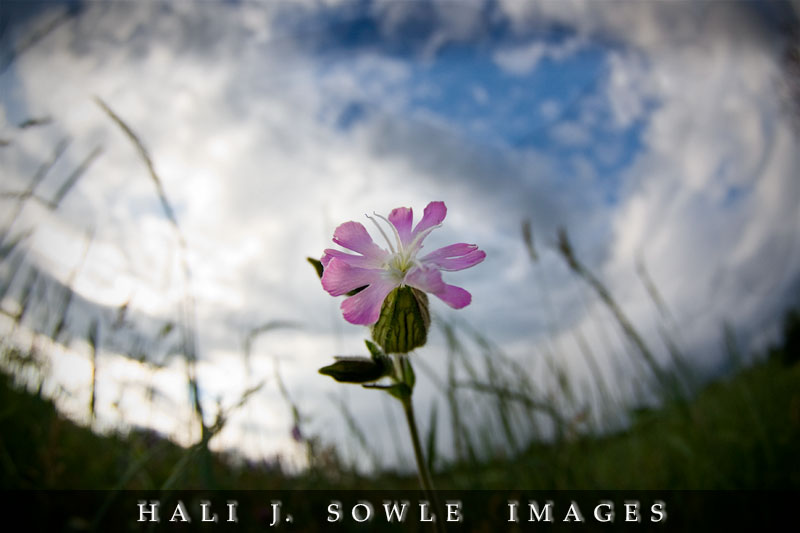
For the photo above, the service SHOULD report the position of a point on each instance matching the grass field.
(740, 432)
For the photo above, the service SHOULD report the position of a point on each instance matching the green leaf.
(398, 390)
(373, 349)
(409, 378)
(317, 264)
(379, 357)
(355, 370)
(404, 321)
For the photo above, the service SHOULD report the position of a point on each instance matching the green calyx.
(404, 321)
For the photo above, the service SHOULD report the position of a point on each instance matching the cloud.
(523, 59)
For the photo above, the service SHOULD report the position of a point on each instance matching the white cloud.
(522, 60)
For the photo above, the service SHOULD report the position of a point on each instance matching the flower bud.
(356, 369)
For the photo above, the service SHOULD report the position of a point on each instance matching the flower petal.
(452, 264)
(340, 278)
(455, 297)
(455, 257)
(354, 236)
(353, 260)
(427, 279)
(430, 280)
(365, 307)
(434, 214)
(454, 250)
(401, 218)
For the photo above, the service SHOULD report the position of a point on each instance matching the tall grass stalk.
(187, 309)
(552, 349)
(602, 334)
(30, 191)
(461, 438)
(565, 247)
(388, 413)
(73, 178)
(247, 352)
(68, 292)
(668, 330)
(600, 385)
(93, 336)
(30, 39)
(594, 370)
(355, 430)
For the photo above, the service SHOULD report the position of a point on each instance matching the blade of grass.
(357, 432)
(29, 192)
(669, 330)
(93, 336)
(565, 247)
(187, 312)
(32, 38)
(431, 440)
(517, 397)
(68, 292)
(76, 175)
(8, 248)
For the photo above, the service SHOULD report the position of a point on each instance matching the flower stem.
(422, 468)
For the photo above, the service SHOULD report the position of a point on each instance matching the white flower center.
(401, 262)
(402, 259)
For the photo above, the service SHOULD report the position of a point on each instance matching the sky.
(656, 133)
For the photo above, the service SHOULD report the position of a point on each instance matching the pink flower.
(381, 271)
